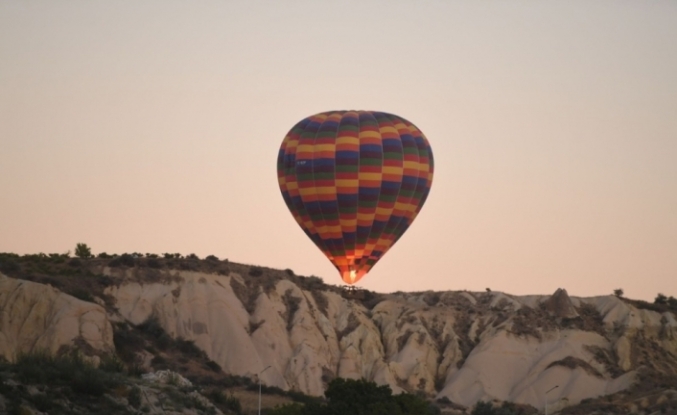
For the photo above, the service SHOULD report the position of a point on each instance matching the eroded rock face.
(36, 317)
(460, 345)
(560, 305)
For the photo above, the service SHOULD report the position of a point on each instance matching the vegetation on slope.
(63, 272)
(70, 384)
(360, 397)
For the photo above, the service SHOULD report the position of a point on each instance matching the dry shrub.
(462, 324)
(321, 301)
(529, 322)
(574, 362)
(246, 295)
(292, 305)
(606, 357)
(311, 283)
(421, 338)
(590, 319)
(370, 299)
(431, 298)
(403, 339)
(351, 325)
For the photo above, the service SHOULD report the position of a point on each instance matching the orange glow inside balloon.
(350, 275)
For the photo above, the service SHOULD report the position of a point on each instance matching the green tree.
(83, 251)
(483, 408)
(672, 302)
(618, 292)
(412, 404)
(360, 397)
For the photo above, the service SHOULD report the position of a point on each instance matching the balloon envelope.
(354, 181)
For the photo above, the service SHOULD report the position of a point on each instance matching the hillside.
(220, 323)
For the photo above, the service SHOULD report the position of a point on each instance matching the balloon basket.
(352, 292)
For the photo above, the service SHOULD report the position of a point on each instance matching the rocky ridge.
(457, 347)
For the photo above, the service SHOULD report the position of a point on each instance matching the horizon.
(155, 127)
(111, 256)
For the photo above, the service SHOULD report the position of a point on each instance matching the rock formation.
(463, 346)
(39, 318)
(560, 305)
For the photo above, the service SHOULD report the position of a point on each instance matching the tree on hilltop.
(82, 251)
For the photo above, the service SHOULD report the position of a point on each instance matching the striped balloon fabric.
(354, 181)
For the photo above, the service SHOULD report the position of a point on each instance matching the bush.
(672, 302)
(230, 381)
(233, 404)
(111, 363)
(83, 251)
(9, 265)
(255, 271)
(229, 402)
(311, 283)
(153, 263)
(82, 294)
(188, 347)
(127, 342)
(152, 326)
(268, 390)
(44, 403)
(213, 366)
(212, 258)
(70, 370)
(134, 397)
(483, 408)
(125, 260)
(89, 382)
(348, 396)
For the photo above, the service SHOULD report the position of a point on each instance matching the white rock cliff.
(460, 345)
(38, 318)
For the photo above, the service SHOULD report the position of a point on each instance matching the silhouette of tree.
(83, 251)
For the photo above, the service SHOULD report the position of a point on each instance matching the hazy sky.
(154, 127)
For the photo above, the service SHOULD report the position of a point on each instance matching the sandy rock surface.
(460, 345)
(464, 346)
(36, 317)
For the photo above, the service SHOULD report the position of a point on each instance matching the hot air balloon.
(354, 181)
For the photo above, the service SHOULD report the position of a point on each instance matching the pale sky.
(154, 126)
